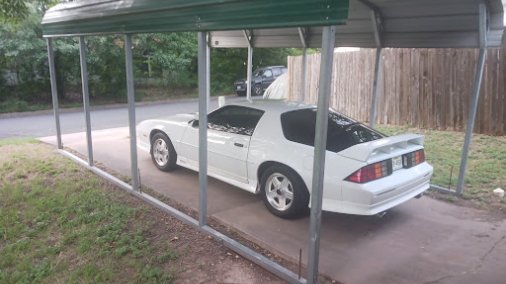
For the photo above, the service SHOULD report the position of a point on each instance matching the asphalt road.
(42, 124)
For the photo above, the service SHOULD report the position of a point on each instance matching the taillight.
(412, 159)
(371, 172)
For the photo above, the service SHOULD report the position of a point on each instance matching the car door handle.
(238, 144)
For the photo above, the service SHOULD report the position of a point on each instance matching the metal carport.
(299, 23)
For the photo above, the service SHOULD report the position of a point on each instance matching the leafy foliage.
(23, 55)
(162, 61)
(15, 10)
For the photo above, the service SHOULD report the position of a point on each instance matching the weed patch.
(58, 224)
(486, 168)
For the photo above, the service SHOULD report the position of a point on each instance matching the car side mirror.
(194, 123)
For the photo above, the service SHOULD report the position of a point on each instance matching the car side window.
(235, 119)
(276, 71)
(267, 73)
(343, 132)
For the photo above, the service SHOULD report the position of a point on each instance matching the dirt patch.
(201, 259)
(491, 211)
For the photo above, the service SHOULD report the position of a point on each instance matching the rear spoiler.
(365, 151)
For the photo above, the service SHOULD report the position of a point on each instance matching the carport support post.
(377, 24)
(131, 112)
(203, 81)
(302, 35)
(54, 91)
(478, 76)
(86, 98)
(303, 76)
(375, 88)
(208, 72)
(328, 43)
(250, 71)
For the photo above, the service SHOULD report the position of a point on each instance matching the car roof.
(273, 106)
(268, 67)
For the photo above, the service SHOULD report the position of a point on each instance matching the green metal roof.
(146, 16)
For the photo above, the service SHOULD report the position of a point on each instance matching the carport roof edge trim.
(405, 23)
(147, 16)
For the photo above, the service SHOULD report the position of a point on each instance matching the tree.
(169, 56)
(14, 11)
(23, 52)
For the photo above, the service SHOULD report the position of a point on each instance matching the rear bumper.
(376, 197)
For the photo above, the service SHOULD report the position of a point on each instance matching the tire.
(284, 192)
(257, 90)
(241, 93)
(162, 152)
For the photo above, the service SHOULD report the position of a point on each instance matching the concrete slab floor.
(421, 241)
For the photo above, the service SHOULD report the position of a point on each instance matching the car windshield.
(343, 132)
(258, 73)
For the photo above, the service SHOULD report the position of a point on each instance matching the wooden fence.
(426, 88)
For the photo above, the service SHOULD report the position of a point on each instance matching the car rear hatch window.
(343, 132)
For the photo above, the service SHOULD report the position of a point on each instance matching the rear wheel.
(284, 193)
(163, 153)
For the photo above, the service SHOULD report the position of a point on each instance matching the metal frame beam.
(303, 39)
(328, 41)
(483, 28)
(86, 97)
(131, 112)
(203, 90)
(54, 91)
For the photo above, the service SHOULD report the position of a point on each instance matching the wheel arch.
(267, 164)
(155, 131)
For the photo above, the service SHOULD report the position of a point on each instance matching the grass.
(486, 167)
(58, 224)
(17, 141)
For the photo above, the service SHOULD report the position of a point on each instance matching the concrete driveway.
(421, 241)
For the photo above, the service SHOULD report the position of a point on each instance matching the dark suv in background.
(261, 78)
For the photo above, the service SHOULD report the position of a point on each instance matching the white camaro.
(267, 147)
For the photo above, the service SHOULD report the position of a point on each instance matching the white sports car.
(267, 147)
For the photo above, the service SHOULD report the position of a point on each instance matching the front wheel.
(257, 90)
(163, 153)
(284, 192)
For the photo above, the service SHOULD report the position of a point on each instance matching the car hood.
(177, 118)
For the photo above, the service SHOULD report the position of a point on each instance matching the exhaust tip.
(381, 214)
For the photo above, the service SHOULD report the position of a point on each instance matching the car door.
(267, 78)
(229, 132)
